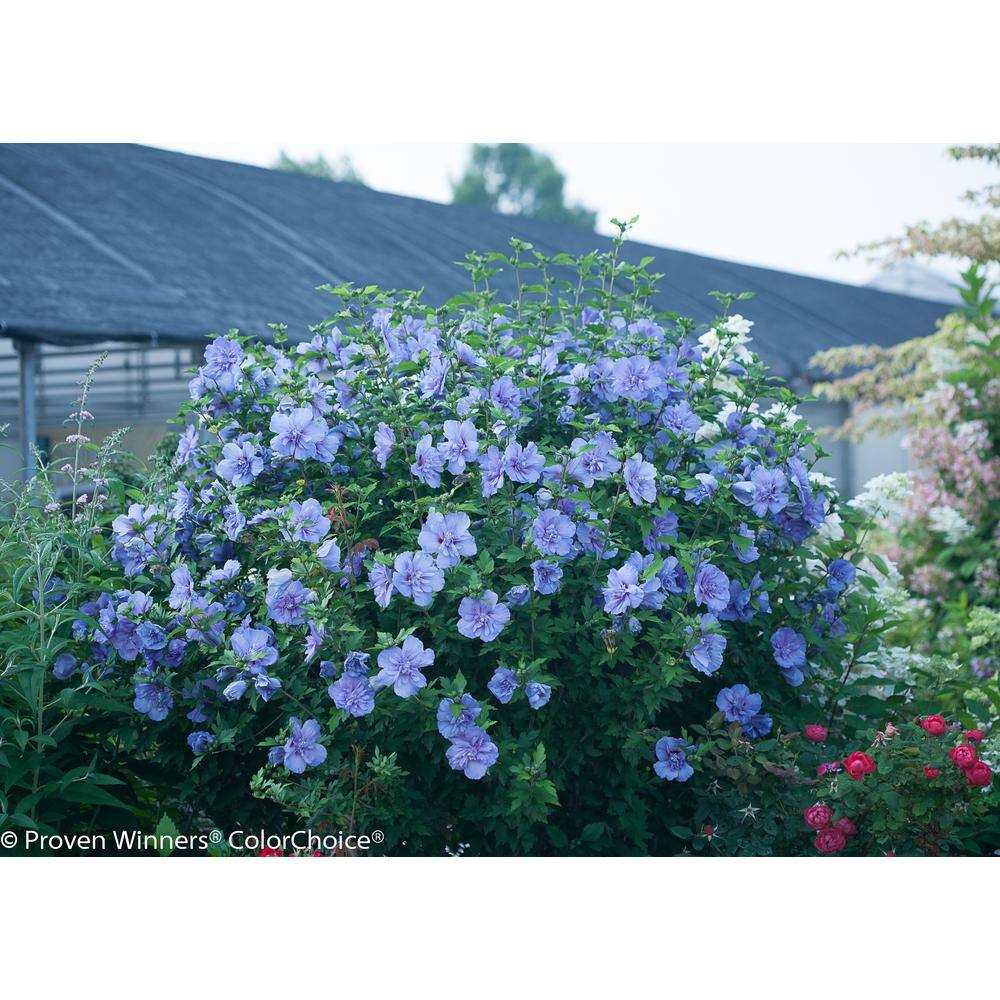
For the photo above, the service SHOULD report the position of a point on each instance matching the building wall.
(878, 454)
(825, 418)
(852, 464)
(134, 385)
(140, 440)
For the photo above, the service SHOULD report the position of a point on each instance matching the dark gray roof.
(103, 242)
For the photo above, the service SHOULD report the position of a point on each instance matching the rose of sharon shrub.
(472, 574)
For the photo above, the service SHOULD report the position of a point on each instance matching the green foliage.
(74, 755)
(573, 776)
(62, 747)
(513, 178)
(341, 169)
(576, 776)
(943, 390)
(754, 805)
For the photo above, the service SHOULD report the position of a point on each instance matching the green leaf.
(166, 830)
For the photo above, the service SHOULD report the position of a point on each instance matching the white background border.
(564, 70)
(761, 71)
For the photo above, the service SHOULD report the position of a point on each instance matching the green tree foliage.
(342, 169)
(513, 178)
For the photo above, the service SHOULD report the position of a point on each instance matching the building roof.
(120, 242)
(910, 278)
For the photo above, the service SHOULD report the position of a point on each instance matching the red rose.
(933, 725)
(858, 764)
(271, 852)
(829, 841)
(846, 827)
(931, 772)
(818, 817)
(973, 735)
(979, 774)
(816, 733)
(963, 756)
(708, 830)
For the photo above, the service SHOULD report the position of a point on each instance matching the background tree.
(968, 239)
(944, 391)
(513, 178)
(342, 169)
(884, 384)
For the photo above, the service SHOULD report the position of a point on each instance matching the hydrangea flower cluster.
(504, 509)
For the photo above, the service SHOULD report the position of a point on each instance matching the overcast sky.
(785, 206)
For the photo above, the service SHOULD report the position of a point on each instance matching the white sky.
(790, 207)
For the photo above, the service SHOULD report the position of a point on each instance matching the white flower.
(949, 522)
(891, 576)
(943, 360)
(989, 751)
(884, 496)
(737, 324)
(788, 415)
(891, 595)
(725, 413)
(710, 343)
(821, 479)
(711, 429)
(976, 336)
(708, 431)
(729, 346)
(973, 435)
(898, 665)
(832, 527)
(729, 384)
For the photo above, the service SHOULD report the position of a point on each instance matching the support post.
(28, 354)
(849, 487)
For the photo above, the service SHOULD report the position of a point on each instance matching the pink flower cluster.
(930, 580)
(957, 467)
(831, 838)
(964, 756)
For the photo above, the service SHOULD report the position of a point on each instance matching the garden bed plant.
(540, 576)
